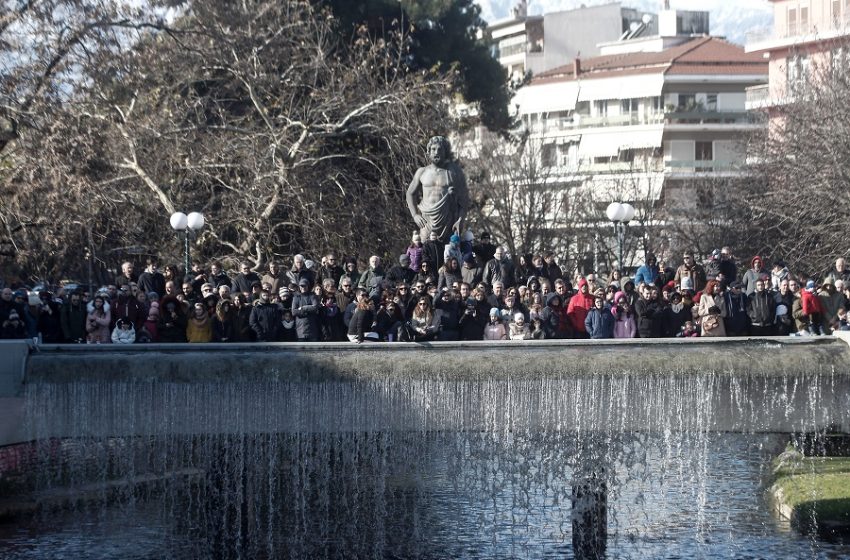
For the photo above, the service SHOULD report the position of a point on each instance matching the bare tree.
(288, 139)
(801, 161)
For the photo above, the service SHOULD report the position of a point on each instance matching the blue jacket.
(646, 274)
(599, 323)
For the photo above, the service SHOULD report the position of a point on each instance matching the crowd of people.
(466, 289)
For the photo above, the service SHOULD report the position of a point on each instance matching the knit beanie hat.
(454, 238)
(494, 312)
(416, 237)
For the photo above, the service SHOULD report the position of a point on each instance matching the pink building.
(808, 39)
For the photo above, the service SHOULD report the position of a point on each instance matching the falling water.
(463, 453)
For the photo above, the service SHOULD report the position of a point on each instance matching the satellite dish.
(646, 19)
(634, 25)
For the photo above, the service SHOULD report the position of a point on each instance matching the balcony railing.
(758, 96)
(579, 122)
(833, 27)
(702, 166)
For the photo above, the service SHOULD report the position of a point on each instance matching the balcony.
(758, 97)
(702, 166)
(771, 38)
(673, 117)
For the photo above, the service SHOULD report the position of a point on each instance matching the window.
(797, 73)
(804, 20)
(711, 102)
(703, 151)
(836, 13)
(626, 155)
(792, 22)
(687, 102)
(628, 106)
(838, 62)
(601, 108)
(548, 155)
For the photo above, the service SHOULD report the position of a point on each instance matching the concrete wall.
(13, 361)
(777, 384)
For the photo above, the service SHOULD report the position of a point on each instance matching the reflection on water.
(403, 495)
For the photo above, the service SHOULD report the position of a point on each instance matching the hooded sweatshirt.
(580, 305)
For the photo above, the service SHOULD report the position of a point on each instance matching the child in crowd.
(124, 332)
(689, 329)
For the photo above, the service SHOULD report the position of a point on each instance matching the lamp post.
(186, 224)
(620, 214)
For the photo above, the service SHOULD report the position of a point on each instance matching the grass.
(814, 492)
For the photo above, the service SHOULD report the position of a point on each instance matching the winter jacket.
(73, 319)
(599, 323)
(294, 275)
(579, 306)
(371, 278)
(199, 331)
(306, 309)
(761, 309)
(120, 336)
(472, 324)
(414, 253)
(646, 274)
(553, 319)
(673, 318)
(625, 326)
(737, 320)
(152, 282)
(649, 321)
(751, 275)
(503, 271)
(265, 321)
(695, 272)
(50, 323)
(361, 323)
(495, 331)
(472, 275)
(97, 326)
(400, 274)
(448, 278)
(518, 332)
(243, 282)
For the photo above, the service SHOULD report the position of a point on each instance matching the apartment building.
(536, 43)
(807, 37)
(668, 116)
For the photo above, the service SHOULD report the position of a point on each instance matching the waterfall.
(421, 454)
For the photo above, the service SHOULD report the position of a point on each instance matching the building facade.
(650, 123)
(808, 37)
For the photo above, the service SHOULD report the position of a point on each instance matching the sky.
(730, 18)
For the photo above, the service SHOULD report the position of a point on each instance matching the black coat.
(306, 309)
(265, 321)
(649, 315)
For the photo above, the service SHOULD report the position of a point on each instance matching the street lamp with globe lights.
(620, 214)
(194, 222)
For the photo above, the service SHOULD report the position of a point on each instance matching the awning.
(627, 87)
(546, 98)
(598, 145)
(645, 138)
(632, 187)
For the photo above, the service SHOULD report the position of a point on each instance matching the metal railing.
(837, 25)
(579, 122)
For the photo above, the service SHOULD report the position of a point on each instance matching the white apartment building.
(537, 43)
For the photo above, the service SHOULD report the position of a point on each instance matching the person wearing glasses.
(421, 327)
(691, 269)
(331, 269)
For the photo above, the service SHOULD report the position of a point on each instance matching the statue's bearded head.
(439, 149)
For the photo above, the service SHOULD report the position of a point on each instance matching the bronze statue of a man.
(445, 198)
